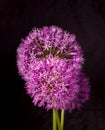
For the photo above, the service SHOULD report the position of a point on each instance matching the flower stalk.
(62, 119)
(54, 120)
(57, 123)
(58, 120)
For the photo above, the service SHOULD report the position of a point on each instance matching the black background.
(86, 19)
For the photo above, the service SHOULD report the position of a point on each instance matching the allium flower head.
(50, 61)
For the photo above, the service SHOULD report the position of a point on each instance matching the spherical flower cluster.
(50, 61)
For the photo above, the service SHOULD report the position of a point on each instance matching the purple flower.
(50, 61)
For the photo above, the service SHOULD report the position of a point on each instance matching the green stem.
(62, 119)
(58, 120)
(54, 119)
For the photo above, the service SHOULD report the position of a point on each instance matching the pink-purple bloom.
(50, 61)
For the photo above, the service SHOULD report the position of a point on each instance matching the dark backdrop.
(86, 19)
